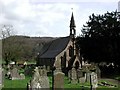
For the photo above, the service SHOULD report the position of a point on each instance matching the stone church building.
(61, 52)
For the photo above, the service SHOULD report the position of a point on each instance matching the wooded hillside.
(15, 48)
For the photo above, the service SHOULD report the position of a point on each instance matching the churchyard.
(39, 77)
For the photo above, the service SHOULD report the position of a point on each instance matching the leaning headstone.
(58, 81)
(74, 76)
(93, 80)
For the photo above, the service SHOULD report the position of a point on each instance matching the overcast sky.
(50, 17)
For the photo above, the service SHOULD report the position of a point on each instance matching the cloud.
(71, 1)
(39, 18)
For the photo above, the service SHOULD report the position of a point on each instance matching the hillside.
(23, 47)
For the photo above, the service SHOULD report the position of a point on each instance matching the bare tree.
(6, 31)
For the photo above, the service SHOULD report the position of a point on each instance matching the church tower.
(72, 26)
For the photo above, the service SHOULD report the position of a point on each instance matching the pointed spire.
(72, 22)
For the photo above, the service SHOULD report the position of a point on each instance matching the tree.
(106, 25)
(10, 52)
(101, 38)
(5, 32)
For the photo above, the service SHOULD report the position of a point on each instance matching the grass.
(22, 84)
(11, 84)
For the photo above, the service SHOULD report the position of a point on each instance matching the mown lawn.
(18, 84)
(22, 84)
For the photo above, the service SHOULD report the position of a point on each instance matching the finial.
(72, 9)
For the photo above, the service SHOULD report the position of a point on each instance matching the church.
(61, 52)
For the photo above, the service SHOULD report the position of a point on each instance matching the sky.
(50, 18)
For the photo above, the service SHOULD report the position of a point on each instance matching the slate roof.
(52, 49)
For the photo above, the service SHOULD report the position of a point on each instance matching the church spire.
(72, 21)
(72, 26)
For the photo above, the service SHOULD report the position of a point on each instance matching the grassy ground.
(12, 84)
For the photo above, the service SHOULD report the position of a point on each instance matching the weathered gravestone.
(43, 71)
(98, 71)
(72, 75)
(82, 80)
(58, 81)
(93, 80)
(14, 74)
(48, 68)
(28, 70)
(87, 76)
(39, 80)
(69, 75)
(74, 79)
(80, 76)
(80, 73)
(1, 78)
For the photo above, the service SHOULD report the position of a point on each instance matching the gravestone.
(80, 76)
(74, 76)
(98, 71)
(39, 80)
(58, 81)
(82, 80)
(14, 74)
(69, 75)
(87, 76)
(22, 76)
(43, 71)
(48, 68)
(28, 70)
(93, 80)
(80, 73)
(1, 77)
